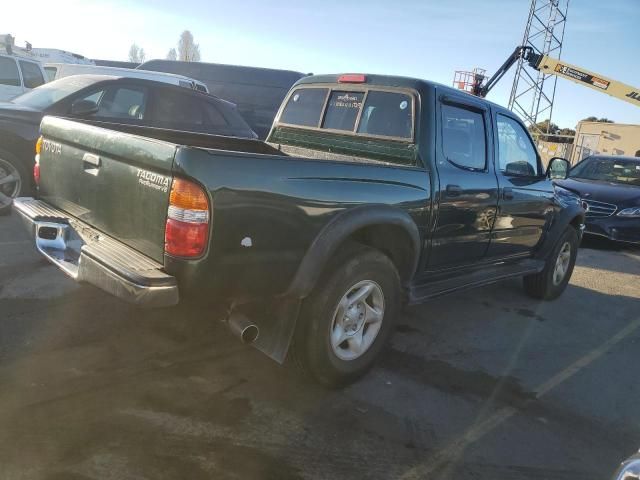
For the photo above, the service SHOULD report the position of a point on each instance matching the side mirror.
(558, 168)
(519, 169)
(84, 107)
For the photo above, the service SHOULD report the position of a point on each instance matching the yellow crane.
(552, 66)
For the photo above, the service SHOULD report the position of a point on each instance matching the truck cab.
(491, 198)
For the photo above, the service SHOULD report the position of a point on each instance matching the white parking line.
(455, 449)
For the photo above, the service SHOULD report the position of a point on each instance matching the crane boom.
(552, 66)
(581, 76)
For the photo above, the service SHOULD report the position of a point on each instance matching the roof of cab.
(396, 81)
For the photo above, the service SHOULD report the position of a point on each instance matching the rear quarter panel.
(268, 209)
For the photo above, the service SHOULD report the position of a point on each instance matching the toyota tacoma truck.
(370, 193)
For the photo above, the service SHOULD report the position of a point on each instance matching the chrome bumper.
(88, 255)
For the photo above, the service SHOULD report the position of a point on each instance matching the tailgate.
(116, 182)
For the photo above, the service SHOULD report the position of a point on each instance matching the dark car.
(610, 191)
(258, 92)
(104, 99)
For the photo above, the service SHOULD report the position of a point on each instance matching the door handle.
(91, 163)
(454, 190)
(507, 193)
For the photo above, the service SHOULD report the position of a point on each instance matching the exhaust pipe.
(243, 328)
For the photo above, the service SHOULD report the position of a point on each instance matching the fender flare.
(561, 221)
(338, 230)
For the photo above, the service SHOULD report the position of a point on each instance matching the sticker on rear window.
(342, 110)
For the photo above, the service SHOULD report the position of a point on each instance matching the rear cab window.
(366, 112)
(304, 107)
(351, 120)
(342, 110)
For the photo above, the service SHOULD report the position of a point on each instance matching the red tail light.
(187, 229)
(36, 166)
(36, 172)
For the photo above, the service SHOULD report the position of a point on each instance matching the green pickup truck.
(370, 192)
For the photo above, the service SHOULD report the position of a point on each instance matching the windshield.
(603, 169)
(52, 92)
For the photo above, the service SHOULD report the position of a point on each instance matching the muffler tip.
(243, 328)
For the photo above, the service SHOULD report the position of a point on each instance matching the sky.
(419, 38)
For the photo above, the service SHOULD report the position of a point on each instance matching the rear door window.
(184, 111)
(215, 117)
(51, 72)
(342, 110)
(388, 114)
(31, 74)
(176, 111)
(304, 107)
(127, 103)
(9, 72)
(464, 137)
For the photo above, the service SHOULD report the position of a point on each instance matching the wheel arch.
(569, 216)
(387, 229)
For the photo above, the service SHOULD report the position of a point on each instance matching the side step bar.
(483, 276)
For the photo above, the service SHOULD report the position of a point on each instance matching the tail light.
(187, 229)
(36, 165)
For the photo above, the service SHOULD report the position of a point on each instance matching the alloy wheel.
(357, 320)
(10, 182)
(562, 264)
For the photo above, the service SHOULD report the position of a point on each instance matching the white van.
(18, 75)
(55, 71)
(55, 55)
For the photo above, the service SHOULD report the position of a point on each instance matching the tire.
(11, 167)
(328, 314)
(552, 281)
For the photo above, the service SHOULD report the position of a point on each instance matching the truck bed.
(200, 140)
(233, 144)
(275, 200)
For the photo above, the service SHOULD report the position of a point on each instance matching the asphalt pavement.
(484, 384)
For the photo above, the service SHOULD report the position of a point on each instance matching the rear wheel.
(347, 319)
(552, 281)
(12, 182)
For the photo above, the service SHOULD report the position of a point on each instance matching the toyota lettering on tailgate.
(53, 147)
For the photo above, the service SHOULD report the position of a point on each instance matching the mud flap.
(276, 320)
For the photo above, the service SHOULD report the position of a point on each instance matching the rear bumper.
(88, 255)
(615, 228)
